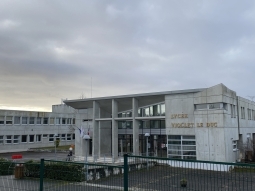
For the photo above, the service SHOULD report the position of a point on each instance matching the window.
(253, 115)
(24, 120)
(201, 106)
(156, 110)
(52, 121)
(51, 137)
(73, 120)
(8, 139)
(73, 136)
(69, 121)
(163, 109)
(24, 138)
(63, 137)
(63, 121)
(45, 136)
(1, 139)
(38, 120)
(234, 143)
(58, 121)
(146, 112)
(249, 113)
(45, 120)
(242, 113)
(9, 120)
(16, 120)
(15, 139)
(233, 110)
(31, 138)
(32, 120)
(214, 106)
(68, 137)
(1, 120)
(210, 106)
(38, 138)
(182, 146)
(155, 124)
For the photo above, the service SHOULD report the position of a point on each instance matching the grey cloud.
(50, 49)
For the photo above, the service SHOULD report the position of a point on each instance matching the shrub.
(6, 167)
(56, 171)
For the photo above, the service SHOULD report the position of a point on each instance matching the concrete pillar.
(114, 130)
(135, 127)
(96, 134)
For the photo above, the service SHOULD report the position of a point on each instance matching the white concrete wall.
(213, 143)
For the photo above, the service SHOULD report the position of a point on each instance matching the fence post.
(41, 174)
(125, 172)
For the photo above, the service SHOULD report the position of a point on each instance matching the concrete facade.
(212, 124)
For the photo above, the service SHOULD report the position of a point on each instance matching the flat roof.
(126, 100)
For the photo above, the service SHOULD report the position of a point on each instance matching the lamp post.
(86, 137)
(147, 148)
(55, 140)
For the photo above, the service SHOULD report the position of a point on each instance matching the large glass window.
(163, 109)
(182, 146)
(63, 121)
(125, 124)
(1, 139)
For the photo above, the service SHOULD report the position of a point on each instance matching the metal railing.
(152, 173)
(135, 173)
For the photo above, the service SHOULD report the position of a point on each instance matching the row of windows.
(17, 120)
(211, 106)
(16, 139)
(148, 124)
(153, 110)
(250, 113)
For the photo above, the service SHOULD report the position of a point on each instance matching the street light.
(147, 148)
(86, 137)
(55, 138)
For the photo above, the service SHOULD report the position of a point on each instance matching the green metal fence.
(151, 173)
(137, 173)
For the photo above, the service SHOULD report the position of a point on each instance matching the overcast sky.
(50, 49)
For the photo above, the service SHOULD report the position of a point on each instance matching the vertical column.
(96, 135)
(135, 127)
(114, 130)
